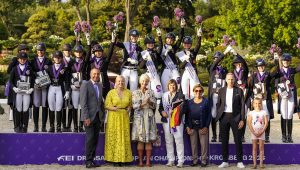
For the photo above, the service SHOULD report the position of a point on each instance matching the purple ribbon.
(99, 63)
(239, 74)
(20, 72)
(259, 77)
(40, 64)
(65, 62)
(56, 72)
(132, 49)
(219, 70)
(286, 74)
(77, 65)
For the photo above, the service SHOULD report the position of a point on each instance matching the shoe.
(81, 129)
(51, 130)
(254, 167)
(213, 139)
(36, 129)
(243, 139)
(170, 163)
(240, 165)
(179, 165)
(194, 164)
(66, 130)
(224, 165)
(262, 166)
(91, 165)
(267, 139)
(203, 164)
(44, 129)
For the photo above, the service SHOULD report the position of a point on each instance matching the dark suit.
(92, 108)
(232, 120)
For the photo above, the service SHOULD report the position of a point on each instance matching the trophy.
(42, 79)
(23, 86)
(76, 79)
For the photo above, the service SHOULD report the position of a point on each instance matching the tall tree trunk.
(128, 20)
(78, 13)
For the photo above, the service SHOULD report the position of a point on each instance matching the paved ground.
(6, 126)
(155, 167)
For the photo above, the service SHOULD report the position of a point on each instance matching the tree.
(11, 12)
(262, 22)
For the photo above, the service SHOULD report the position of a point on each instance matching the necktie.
(96, 90)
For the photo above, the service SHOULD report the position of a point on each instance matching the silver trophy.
(42, 79)
(76, 79)
(23, 86)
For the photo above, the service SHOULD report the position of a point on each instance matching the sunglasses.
(198, 91)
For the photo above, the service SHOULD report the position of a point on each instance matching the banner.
(69, 148)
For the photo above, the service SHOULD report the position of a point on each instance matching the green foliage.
(3, 32)
(261, 23)
(10, 43)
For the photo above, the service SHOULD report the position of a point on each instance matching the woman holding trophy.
(41, 78)
(22, 85)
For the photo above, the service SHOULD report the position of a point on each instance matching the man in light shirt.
(231, 114)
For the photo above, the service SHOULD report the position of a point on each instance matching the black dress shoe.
(203, 164)
(194, 164)
(91, 165)
(81, 129)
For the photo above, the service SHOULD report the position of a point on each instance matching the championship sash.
(131, 50)
(149, 64)
(181, 55)
(168, 61)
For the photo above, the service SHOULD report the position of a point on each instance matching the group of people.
(169, 83)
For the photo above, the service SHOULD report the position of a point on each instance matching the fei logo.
(65, 158)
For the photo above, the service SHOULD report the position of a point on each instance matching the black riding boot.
(64, 119)
(214, 130)
(25, 120)
(70, 117)
(51, 118)
(283, 130)
(18, 125)
(58, 121)
(75, 120)
(289, 130)
(44, 118)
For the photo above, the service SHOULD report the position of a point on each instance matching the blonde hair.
(260, 101)
(144, 77)
(197, 86)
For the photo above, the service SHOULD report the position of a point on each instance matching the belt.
(130, 67)
(228, 112)
(55, 84)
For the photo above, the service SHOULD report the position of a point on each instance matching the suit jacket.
(238, 104)
(89, 102)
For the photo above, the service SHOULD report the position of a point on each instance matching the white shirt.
(41, 58)
(285, 69)
(261, 73)
(22, 66)
(56, 66)
(68, 59)
(228, 102)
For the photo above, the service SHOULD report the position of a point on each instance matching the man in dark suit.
(231, 113)
(91, 102)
